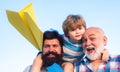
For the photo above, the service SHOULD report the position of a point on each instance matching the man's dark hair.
(53, 34)
(48, 35)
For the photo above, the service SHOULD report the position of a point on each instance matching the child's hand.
(105, 55)
(37, 64)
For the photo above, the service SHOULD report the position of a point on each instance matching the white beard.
(94, 55)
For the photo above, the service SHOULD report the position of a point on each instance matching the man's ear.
(105, 40)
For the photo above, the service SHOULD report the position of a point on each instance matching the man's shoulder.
(115, 58)
(79, 62)
(28, 68)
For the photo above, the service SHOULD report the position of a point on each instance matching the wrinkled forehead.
(92, 32)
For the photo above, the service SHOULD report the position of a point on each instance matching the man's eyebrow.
(91, 35)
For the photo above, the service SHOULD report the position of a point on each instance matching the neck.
(99, 58)
(94, 64)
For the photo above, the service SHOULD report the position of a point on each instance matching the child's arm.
(105, 55)
(68, 67)
(37, 64)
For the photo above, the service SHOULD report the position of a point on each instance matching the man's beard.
(47, 61)
(95, 55)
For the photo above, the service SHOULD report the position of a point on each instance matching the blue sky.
(16, 52)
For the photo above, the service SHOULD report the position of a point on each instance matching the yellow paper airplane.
(25, 22)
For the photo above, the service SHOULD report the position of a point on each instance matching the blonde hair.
(72, 22)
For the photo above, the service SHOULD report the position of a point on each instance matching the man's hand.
(37, 64)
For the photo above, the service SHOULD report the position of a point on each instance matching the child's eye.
(72, 29)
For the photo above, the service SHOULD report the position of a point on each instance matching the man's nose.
(51, 48)
(88, 42)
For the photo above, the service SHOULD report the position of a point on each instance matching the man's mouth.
(90, 50)
(51, 56)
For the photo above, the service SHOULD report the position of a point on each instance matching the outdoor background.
(16, 52)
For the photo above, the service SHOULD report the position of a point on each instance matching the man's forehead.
(91, 32)
(51, 41)
(89, 35)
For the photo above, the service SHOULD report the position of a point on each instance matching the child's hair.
(72, 22)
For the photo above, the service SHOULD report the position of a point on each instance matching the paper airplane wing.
(21, 23)
(38, 35)
(30, 10)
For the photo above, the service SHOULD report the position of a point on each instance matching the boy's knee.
(67, 65)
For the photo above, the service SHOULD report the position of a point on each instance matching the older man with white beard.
(93, 44)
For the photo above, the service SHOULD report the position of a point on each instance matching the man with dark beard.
(93, 43)
(51, 56)
(48, 61)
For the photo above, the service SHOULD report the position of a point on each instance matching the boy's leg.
(68, 67)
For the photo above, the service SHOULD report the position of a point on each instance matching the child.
(74, 27)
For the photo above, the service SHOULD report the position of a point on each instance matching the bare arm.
(68, 67)
(37, 64)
